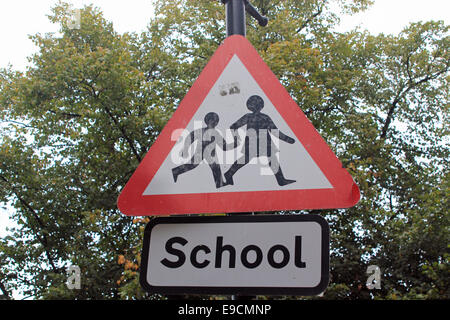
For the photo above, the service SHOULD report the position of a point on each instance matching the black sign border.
(173, 290)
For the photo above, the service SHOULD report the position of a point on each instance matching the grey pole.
(235, 16)
(235, 19)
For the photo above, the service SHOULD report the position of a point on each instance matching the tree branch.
(310, 19)
(150, 75)
(116, 122)
(5, 292)
(124, 135)
(402, 92)
(18, 123)
(67, 115)
(42, 239)
(389, 118)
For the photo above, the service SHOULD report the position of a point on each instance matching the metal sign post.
(235, 16)
(235, 19)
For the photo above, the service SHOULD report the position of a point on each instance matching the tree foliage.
(77, 123)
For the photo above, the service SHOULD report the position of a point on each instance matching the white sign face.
(239, 254)
(292, 168)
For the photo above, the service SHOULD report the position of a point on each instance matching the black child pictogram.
(258, 141)
(208, 138)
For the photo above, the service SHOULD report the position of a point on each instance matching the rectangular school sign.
(270, 255)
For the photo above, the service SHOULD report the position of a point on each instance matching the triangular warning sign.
(237, 143)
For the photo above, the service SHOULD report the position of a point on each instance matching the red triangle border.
(345, 193)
